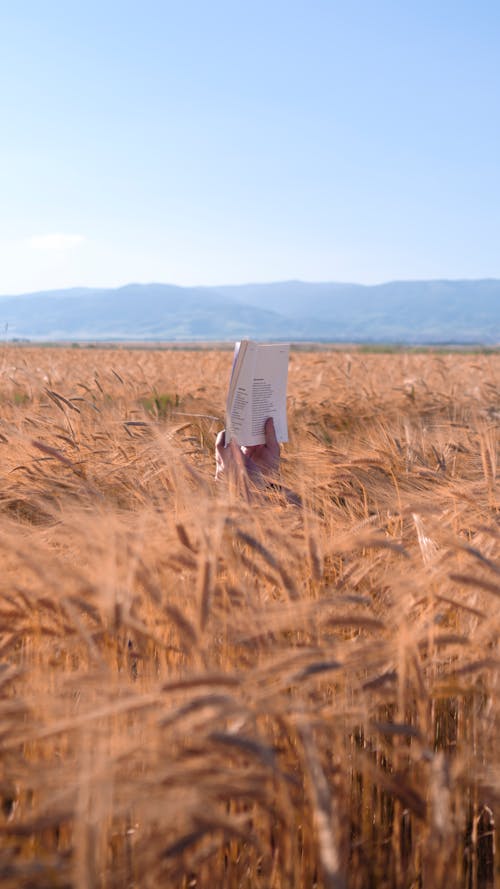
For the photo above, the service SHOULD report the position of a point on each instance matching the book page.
(258, 391)
(238, 416)
(269, 391)
(237, 347)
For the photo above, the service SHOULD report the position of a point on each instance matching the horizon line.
(265, 283)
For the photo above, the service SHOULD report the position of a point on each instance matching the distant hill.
(410, 312)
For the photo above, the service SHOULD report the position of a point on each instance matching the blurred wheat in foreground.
(200, 692)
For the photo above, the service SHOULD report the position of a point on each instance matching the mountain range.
(407, 312)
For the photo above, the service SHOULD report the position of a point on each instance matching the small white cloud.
(55, 241)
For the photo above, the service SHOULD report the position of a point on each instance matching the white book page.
(238, 414)
(269, 392)
(258, 391)
(237, 347)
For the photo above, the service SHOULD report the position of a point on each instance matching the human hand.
(259, 463)
(228, 460)
(264, 457)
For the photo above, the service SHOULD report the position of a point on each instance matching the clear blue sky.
(222, 141)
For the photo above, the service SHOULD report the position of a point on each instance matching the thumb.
(270, 433)
(220, 441)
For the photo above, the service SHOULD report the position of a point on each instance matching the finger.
(249, 450)
(235, 452)
(219, 450)
(220, 441)
(228, 460)
(270, 433)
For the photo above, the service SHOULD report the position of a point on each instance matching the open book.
(257, 390)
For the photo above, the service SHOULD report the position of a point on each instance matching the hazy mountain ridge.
(399, 311)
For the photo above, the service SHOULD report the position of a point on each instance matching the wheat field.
(199, 691)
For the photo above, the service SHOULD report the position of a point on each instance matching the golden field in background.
(197, 691)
